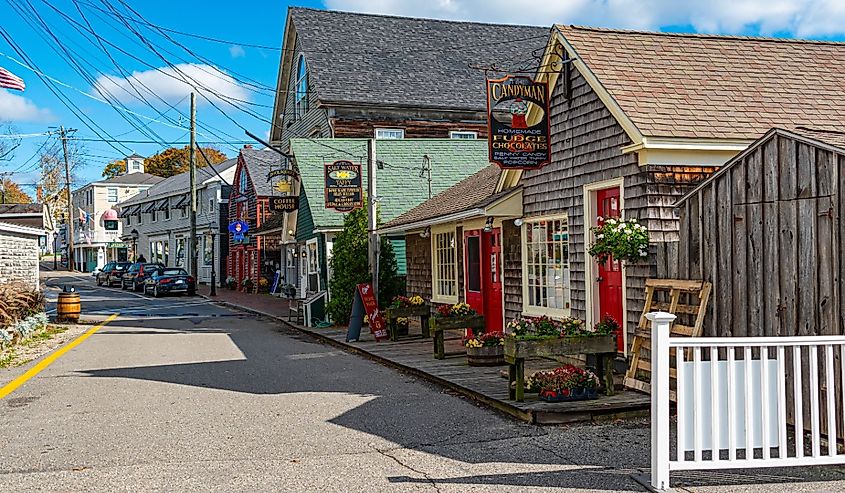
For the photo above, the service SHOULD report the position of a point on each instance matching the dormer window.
(242, 182)
(301, 87)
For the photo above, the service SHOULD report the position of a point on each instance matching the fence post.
(660, 322)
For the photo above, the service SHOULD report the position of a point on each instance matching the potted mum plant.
(459, 316)
(247, 284)
(624, 240)
(231, 283)
(486, 349)
(567, 383)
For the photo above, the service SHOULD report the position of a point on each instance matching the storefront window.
(545, 267)
(444, 266)
(180, 252)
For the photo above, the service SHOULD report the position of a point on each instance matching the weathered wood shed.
(766, 231)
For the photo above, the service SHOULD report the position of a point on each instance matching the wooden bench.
(604, 347)
(439, 325)
(421, 311)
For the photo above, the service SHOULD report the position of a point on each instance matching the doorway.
(610, 279)
(483, 274)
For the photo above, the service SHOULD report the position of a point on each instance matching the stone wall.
(19, 258)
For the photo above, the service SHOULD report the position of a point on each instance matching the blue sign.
(238, 228)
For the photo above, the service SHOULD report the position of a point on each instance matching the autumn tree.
(11, 193)
(114, 168)
(173, 160)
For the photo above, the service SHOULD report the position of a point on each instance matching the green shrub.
(350, 268)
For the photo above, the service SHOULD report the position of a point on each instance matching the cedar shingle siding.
(586, 148)
(418, 279)
(512, 265)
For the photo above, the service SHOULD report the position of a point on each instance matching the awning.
(129, 210)
(110, 215)
(182, 202)
(146, 208)
(162, 204)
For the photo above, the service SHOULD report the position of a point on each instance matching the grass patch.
(44, 335)
(7, 357)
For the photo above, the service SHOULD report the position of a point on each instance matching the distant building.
(157, 222)
(96, 227)
(36, 216)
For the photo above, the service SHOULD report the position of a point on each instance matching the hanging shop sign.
(518, 122)
(278, 173)
(238, 229)
(284, 204)
(283, 186)
(344, 191)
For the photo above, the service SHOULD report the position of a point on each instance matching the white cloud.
(237, 51)
(170, 84)
(806, 18)
(15, 108)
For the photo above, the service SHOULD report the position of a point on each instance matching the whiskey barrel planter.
(68, 307)
(421, 311)
(440, 324)
(486, 356)
(604, 347)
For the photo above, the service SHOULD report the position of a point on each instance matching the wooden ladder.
(698, 294)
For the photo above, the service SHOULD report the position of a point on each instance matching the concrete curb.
(512, 411)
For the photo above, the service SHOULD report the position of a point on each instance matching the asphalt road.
(183, 395)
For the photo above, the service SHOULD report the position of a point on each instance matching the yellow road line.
(35, 370)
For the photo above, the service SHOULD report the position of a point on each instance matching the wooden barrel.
(68, 307)
(486, 356)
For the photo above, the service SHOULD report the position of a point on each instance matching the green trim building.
(402, 183)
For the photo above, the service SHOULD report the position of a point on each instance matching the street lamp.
(55, 242)
(135, 235)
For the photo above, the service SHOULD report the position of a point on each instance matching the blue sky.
(241, 76)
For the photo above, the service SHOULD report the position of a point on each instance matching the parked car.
(137, 273)
(111, 273)
(169, 280)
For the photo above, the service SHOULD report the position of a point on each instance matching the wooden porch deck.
(487, 385)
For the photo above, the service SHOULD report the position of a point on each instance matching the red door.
(610, 272)
(492, 284)
(483, 278)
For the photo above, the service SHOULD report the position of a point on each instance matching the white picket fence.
(733, 398)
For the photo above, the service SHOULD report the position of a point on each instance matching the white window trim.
(301, 97)
(435, 297)
(537, 311)
(400, 130)
(591, 268)
(109, 195)
(453, 133)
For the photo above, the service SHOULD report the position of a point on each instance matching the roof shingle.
(705, 86)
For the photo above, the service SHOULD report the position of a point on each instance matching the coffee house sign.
(518, 122)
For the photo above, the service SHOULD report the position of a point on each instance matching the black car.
(111, 273)
(169, 280)
(137, 273)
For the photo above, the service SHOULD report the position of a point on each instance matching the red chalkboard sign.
(377, 325)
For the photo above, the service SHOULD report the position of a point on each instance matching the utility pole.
(194, 250)
(71, 262)
(371, 214)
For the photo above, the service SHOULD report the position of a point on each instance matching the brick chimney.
(39, 194)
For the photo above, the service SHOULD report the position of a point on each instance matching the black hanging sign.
(284, 204)
(518, 122)
(275, 173)
(344, 191)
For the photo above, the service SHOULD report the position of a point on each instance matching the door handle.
(599, 279)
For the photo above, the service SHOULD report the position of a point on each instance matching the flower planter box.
(440, 324)
(486, 356)
(397, 331)
(567, 395)
(604, 347)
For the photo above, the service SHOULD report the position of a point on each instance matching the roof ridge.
(701, 35)
(395, 16)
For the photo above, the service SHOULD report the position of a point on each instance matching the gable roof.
(28, 209)
(403, 61)
(705, 86)
(180, 183)
(399, 185)
(131, 179)
(473, 192)
(258, 163)
(827, 139)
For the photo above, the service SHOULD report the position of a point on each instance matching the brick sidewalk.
(257, 302)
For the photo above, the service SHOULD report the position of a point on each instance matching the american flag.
(10, 80)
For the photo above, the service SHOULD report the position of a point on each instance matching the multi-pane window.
(112, 195)
(301, 87)
(445, 265)
(463, 135)
(390, 133)
(546, 265)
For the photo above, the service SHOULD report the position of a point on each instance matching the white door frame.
(591, 267)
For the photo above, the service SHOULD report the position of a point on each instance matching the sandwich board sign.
(365, 303)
